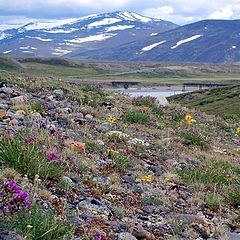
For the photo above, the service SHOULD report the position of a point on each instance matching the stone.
(161, 101)
(21, 112)
(13, 122)
(19, 99)
(89, 117)
(126, 236)
(233, 236)
(4, 106)
(68, 180)
(2, 113)
(75, 146)
(7, 90)
(95, 207)
(141, 233)
(58, 92)
(9, 235)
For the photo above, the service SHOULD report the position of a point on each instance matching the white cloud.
(179, 11)
(223, 13)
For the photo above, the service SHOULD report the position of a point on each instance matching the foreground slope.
(134, 170)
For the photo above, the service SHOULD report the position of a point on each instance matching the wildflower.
(12, 198)
(190, 122)
(188, 117)
(238, 130)
(147, 178)
(112, 119)
(52, 156)
(29, 226)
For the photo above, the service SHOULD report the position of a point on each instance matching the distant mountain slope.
(75, 36)
(215, 41)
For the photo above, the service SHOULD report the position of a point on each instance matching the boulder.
(9, 235)
(126, 236)
(161, 101)
(2, 113)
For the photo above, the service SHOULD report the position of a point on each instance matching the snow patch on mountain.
(133, 17)
(4, 35)
(99, 37)
(119, 28)
(186, 40)
(61, 30)
(105, 21)
(153, 34)
(150, 47)
(41, 39)
(61, 52)
(6, 52)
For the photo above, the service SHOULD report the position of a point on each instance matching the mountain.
(210, 41)
(74, 36)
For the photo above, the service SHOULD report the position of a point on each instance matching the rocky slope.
(98, 165)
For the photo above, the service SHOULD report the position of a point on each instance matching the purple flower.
(52, 156)
(24, 195)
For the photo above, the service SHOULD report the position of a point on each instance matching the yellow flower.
(190, 122)
(188, 117)
(112, 119)
(238, 130)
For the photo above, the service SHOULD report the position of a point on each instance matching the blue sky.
(178, 11)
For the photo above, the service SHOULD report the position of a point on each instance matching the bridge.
(202, 85)
(124, 84)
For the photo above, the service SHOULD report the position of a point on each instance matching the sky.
(178, 11)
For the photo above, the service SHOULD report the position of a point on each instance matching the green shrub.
(233, 197)
(27, 159)
(177, 117)
(122, 163)
(232, 117)
(152, 198)
(215, 174)
(136, 117)
(194, 139)
(94, 89)
(38, 225)
(119, 212)
(213, 202)
(37, 106)
(144, 101)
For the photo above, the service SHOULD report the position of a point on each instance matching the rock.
(21, 112)
(2, 113)
(126, 236)
(9, 235)
(4, 106)
(19, 99)
(7, 90)
(75, 146)
(68, 180)
(140, 233)
(13, 122)
(58, 92)
(89, 117)
(189, 219)
(95, 207)
(233, 236)
(36, 115)
(161, 101)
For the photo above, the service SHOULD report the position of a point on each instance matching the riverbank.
(165, 91)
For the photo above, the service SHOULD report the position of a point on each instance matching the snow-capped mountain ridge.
(76, 35)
